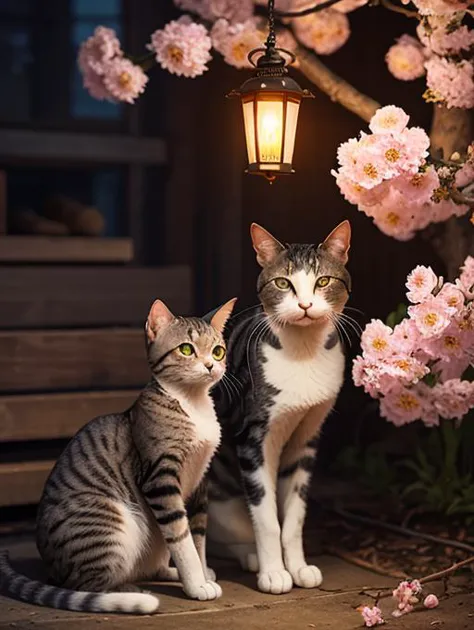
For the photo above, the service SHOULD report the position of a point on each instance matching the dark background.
(191, 206)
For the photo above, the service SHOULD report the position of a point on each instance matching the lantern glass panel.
(292, 108)
(249, 123)
(270, 130)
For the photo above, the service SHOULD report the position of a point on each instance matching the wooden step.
(77, 249)
(55, 416)
(66, 296)
(22, 484)
(94, 359)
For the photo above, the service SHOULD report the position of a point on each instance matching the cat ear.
(219, 320)
(158, 318)
(338, 242)
(266, 245)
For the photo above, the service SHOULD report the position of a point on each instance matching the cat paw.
(207, 591)
(210, 574)
(275, 582)
(307, 576)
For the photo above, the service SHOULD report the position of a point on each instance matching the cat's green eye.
(187, 349)
(323, 281)
(282, 283)
(218, 353)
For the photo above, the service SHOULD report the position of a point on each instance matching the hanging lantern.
(270, 103)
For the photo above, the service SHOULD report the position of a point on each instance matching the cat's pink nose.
(305, 307)
(209, 366)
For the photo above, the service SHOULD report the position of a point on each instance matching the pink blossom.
(465, 175)
(94, 84)
(406, 595)
(453, 398)
(401, 406)
(124, 80)
(431, 317)
(431, 601)
(451, 82)
(466, 278)
(406, 59)
(405, 336)
(452, 296)
(372, 616)
(389, 119)
(419, 187)
(324, 32)
(356, 194)
(182, 47)
(440, 7)
(235, 41)
(212, 10)
(444, 42)
(420, 283)
(98, 49)
(376, 341)
(446, 347)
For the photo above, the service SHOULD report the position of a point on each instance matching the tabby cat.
(127, 493)
(285, 370)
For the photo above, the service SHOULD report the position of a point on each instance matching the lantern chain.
(271, 39)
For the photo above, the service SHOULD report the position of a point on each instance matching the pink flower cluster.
(371, 616)
(406, 595)
(182, 47)
(406, 59)
(106, 73)
(324, 32)
(450, 81)
(440, 7)
(212, 10)
(235, 41)
(386, 175)
(416, 368)
(444, 39)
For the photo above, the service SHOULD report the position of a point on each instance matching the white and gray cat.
(286, 366)
(128, 493)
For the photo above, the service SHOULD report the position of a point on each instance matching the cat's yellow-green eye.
(282, 283)
(323, 281)
(218, 353)
(187, 349)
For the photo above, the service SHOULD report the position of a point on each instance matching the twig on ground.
(405, 531)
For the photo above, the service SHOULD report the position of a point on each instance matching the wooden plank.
(22, 484)
(73, 359)
(81, 147)
(89, 296)
(54, 416)
(65, 249)
(3, 202)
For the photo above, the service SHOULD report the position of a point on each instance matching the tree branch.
(459, 197)
(387, 4)
(338, 90)
(308, 11)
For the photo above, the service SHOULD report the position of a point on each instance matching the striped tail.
(20, 587)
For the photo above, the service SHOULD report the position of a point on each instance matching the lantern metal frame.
(271, 82)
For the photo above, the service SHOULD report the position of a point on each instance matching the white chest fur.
(202, 415)
(207, 436)
(303, 383)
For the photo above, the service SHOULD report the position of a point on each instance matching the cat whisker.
(351, 323)
(351, 319)
(342, 332)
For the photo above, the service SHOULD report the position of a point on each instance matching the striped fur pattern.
(127, 494)
(284, 373)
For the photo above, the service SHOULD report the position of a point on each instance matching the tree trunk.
(453, 240)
